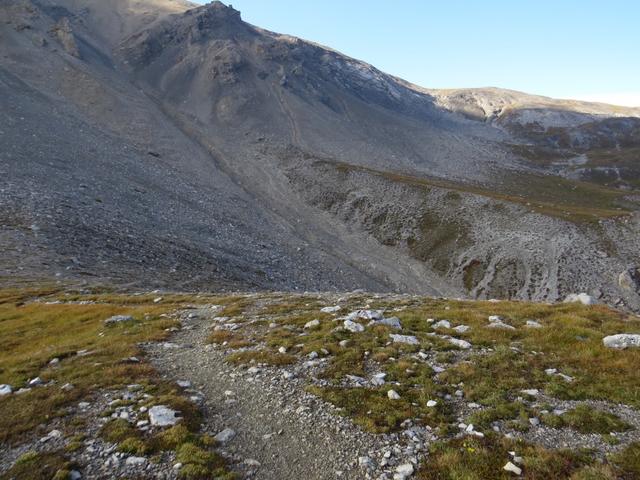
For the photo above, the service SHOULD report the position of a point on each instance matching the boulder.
(622, 341)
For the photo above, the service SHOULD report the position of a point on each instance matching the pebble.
(225, 435)
(510, 467)
(393, 395)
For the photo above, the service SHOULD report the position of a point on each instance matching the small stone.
(534, 421)
(162, 416)
(136, 461)
(334, 309)
(495, 318)
(551, 371)
(408, 339)
(344, 343)
(378, 379)
(393, 395)
(282, 350)
(253, 370)
(75, 475)
(5, 390)
(366, 462)
(442, 324)
(225, 435)
(54, 361)
(177, 466)
(531, 391)
(353, 326)
(393, 322)
(582, 298)
(67, 387)
(460, 343)
(533, 324)
(184, 383)
(406, 469)
(462, 328)
(157, 300)
(117, 319)
(510, 467)
(622, 341)
(431, 403)
(312, 324)
(35, 382)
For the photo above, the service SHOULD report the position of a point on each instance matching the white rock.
(442, 324)
(287, 375)
(551, 371)
(282, 350)
(225, 435)
(393, 395)
(35, 381)
(622, 341)
(531, 391)
(312, 324)
(343, 343)
(378, 379)
(460, 343)
(500, 325)
(54, 361)
(432, 403)
(184, 383)
(533, 324)
(75, 475)
(406, 469)
(366, 315)
(582, 298)
(136, 461)
(462, 328)
(177, 466)
(162, 416)
(510, 467)
(408, 339)
(393, 322)
(495, 318)
(313, 355)
(353, 326)
(337, 308)
(366, 462)
(118, 319)
(5, 390)
(157, 300)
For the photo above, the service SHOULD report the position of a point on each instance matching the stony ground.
(318, 386)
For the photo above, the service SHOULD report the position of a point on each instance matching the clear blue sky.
(564, 48)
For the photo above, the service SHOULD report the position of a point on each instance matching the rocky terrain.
(160, 143)
(164, 385)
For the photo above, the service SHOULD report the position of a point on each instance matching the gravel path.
(281, 431)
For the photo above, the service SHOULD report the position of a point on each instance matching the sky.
(586, 49)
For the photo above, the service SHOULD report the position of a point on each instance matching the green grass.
(585, 419)
(571, 200)
(32, 333)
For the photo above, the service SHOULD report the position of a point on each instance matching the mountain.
(160, 143)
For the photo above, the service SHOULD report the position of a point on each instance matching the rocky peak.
(215, 15)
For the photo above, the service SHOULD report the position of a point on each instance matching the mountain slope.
(285, 164)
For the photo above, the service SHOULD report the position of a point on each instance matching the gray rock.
(622, 341)
(225, 435)
(5, 390)
(582, 298)
(460, 343)
(366, 315)
(393, 322)
(334, 309)
(118, 319)
(630, 279)
(163, 416)
(442, 324)
(312, 324)
(393, 395)
(353, 326)
(510, 467)
(533, 324)
(136, 461)
(408, 339)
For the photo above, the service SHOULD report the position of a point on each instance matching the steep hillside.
(182, 141)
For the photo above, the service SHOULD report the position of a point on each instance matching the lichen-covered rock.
(622, 341)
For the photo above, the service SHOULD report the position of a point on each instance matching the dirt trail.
(290, 433)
